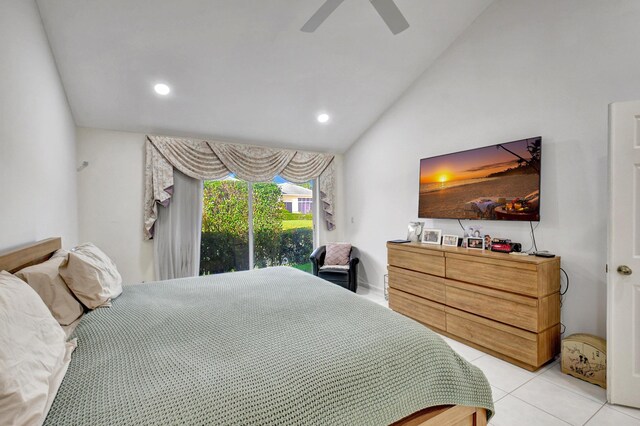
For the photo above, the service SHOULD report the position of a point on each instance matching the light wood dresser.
(505, 305)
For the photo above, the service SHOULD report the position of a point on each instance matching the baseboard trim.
(371, 288)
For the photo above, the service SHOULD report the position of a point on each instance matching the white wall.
(524, 68)
(37, 135)
(110, 194)
(110, 198)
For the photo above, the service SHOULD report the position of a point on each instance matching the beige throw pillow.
(45, 279)
(33, 354)
(91, 276)
(337, 254)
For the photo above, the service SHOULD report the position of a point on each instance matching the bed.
(271, 346)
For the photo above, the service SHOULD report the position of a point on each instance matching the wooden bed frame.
(442, 415)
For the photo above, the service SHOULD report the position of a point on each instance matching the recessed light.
(323, 118)
(162, 89)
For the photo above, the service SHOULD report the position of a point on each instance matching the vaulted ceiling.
(241, 70)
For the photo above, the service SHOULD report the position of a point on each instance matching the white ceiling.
(241, 70)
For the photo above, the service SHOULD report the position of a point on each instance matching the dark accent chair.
(347, 278)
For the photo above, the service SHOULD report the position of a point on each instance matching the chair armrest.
(354, 258)
(317, 258)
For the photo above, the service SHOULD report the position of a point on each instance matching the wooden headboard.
(29, 254)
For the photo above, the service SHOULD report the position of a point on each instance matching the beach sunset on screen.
(482, 183)
(470, 164)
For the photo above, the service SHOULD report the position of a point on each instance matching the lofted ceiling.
(241, 70)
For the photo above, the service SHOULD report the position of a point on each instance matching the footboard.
(446, 415)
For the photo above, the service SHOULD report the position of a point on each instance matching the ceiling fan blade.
(321, 14)
(391, 15)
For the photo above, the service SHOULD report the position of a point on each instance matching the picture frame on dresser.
(476, 243)
(450, 240)
(414, 231)
(431, 236)
(487, 241)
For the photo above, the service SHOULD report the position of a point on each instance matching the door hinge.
(606, 268)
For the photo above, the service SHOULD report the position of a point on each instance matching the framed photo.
(475, 243)
(450, 240)
(487, 241)
(414, 232)
(431, 236)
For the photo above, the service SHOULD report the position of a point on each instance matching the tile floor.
(544, 397)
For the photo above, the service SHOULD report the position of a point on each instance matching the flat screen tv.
(497, 182)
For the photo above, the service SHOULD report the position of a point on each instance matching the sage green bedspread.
(268, 347)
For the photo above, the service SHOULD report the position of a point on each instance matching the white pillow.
(45, 279)
(91, 276)
(33, 354)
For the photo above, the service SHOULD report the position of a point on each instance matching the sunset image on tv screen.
(499, 182)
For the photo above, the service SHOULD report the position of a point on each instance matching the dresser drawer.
(427, 261)
(420, 309)
(513, 309)
(515, 343)
(423, 285)
(515, 280)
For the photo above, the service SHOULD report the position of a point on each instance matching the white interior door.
(623, 282)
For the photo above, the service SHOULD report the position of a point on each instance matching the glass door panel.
(283, 224)
(267, 224)
(225, 226)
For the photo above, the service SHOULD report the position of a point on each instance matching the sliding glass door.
(255, 225)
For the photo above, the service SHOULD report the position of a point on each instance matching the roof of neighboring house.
(293, 189)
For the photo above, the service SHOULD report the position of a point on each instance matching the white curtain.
(176, 243)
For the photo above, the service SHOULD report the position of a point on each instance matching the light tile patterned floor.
(544, 397)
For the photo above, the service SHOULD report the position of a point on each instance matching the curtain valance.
(205, 160)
